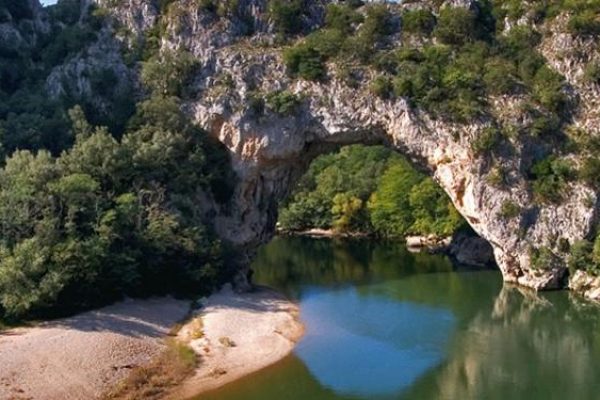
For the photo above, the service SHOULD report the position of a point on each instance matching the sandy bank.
(237, 334)
(79, 357)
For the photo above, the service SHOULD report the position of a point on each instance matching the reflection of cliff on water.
(541, 345)
(382, 323)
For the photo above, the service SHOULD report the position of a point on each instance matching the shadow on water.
(383, 323)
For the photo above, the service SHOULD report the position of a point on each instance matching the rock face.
(583, 282)
(270, 151)
(471, 250)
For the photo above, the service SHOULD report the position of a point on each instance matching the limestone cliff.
(240, 58)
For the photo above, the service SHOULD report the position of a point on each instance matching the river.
(383, 323)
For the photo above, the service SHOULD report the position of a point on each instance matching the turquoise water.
(382, 323)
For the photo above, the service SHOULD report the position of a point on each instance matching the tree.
(167, 73)
(418, 21)
(342, 18)
(433, 213)
(304, 61)
(347, 212)
(389, 206)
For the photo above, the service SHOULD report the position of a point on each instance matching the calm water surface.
(382, 323)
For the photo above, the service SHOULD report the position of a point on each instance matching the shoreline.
(237, 334)
(92, 354)
(83, 356)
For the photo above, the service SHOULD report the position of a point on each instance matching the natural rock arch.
(269, 153)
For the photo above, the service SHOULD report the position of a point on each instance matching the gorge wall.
(240, 58)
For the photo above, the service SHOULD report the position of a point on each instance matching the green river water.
(382, 323)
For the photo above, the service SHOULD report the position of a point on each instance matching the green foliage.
(486, 141)
(547, 89)
(167, 73)
(509, 210)
(497, 177)
(432, 211)
(371, 190)
(500, 76)
(283, 102)
(382, 86)
(590, 172)
(584, 23)
(305, 61)
(108, 218)
(67, 42)
(585, 255)
(348, 213)
(342, 17)
(419, 21)
(456, 26)
(352, 172)
(286, 15)
(443, 82)
(327, 42)
(550, 178)
(371, 35)
(592, 73)
(378, 22)
(90, 214)
(389, 206)
(543, 258)
(29, 118)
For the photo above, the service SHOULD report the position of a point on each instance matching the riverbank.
(236, 335)
(324, 233)
(82, 356)
(122, 350)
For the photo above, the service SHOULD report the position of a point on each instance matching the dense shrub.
(543, 258)
(500, 76)
(418, 21)
(550, 177)
(378, 24)
(585, 255)
(283, 102)
(353, 171)
(382, 86)
(342, 18)
(327, 42)
(584, 23)
(592, 73)
(107, 218)
(286, 15)
(304, 61)
(372, 190)
(169, 72)
(486, 141)
(509, 210)
(456, 26)
(590, 172)
(547, 89)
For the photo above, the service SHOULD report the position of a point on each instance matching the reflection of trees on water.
(288, 262)
(509, 342)
(526, 346)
